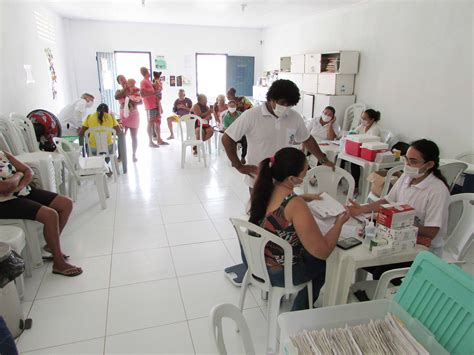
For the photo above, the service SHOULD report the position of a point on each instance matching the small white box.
(397, 234)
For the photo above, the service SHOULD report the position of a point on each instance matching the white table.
(330, 149)
(367, 168)
(342, 265)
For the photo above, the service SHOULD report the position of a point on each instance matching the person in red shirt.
(153, 112)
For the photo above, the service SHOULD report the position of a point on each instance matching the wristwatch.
(323, 160)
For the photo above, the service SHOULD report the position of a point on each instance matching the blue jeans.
(7, 343)
(310, 268)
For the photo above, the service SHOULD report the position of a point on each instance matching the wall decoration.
(52, 71)
(172, 80)
(186, 80)
(179, 80)
(29, 74)
(163, 78)
(160, 62)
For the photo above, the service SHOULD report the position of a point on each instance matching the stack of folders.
(326, 207)
(381, 336)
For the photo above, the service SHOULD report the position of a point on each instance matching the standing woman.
(132, 119)
(219, 108)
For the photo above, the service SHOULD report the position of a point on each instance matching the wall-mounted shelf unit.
(341, 62)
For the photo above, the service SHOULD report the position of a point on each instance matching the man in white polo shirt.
(268, 128)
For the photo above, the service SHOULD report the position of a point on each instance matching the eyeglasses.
(412, 161)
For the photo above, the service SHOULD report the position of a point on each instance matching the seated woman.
(325, 127)
(100, 118)
(275, 207)
(19, 201)
(220, 109)
(205, 112)
(243, 104)
(423, 187)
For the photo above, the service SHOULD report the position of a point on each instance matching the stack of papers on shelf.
(326, 207)
(381, 336)
(332, 65)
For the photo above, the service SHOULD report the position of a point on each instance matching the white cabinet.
(285, 64)
(297, 63)
(312, 63)
(298, 80)
(260, 93)
(308, 106)
(340, 103)
(336, 84)
(310, 83)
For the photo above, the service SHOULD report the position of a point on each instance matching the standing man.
(152, 110)
(72, 115)
(268, 128)
(182, 106)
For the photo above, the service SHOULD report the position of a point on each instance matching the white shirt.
(73, 114)
(429, 198)
(374, 130)
(267, 134)
(320, 132)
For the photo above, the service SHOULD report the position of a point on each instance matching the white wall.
(175, 42)
(20, 45)
(415, 66)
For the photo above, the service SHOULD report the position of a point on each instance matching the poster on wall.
(172, 80)
(186, 80)
(52, 71)
(160, 62)
(179, 80)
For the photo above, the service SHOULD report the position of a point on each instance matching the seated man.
(19, 201)
(72, 115)
(229, 117)
(182, 106)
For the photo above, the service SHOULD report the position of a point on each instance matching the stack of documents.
(381, 336)
(326, 207)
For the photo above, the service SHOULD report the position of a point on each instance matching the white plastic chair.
(389, 137)
(467, 157)
(452, 171)
(328, 181)
(352, 116)
(26, 130)
(101, 135)
(78, 173)
(227, 310)
(10, 136)
(386, 185)
(189, 139)
(257, 273)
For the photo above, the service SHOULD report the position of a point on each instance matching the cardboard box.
(396, 216)
(398, 234)
(404, 245)
(377, 180)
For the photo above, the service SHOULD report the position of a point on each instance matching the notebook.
(326, 207)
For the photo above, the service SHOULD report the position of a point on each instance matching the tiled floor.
(153, 264)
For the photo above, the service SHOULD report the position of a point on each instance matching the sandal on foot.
(70, 272)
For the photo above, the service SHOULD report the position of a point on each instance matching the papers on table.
(381, 336)
(326, 207)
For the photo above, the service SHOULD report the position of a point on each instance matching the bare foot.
(170, 137)
(135, 159)
(163, 143)
(153, 145)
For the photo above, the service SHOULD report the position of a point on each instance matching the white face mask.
(232, 109)
(326, 118)
(280, 110)
(413, 172)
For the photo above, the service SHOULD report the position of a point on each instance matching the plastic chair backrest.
(12, 139)
(254, 244)
(457, 242)
(452, 171)
(26, 130)
(467, 157)
(65, 148)
(328, 181)
(190, 122)
(227, 310)
(389, 137)
(352, 116)
(441, 297)
(388, 177)
(101, 135)
(385, 279)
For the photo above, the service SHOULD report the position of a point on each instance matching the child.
(158, 89)
(133, 97)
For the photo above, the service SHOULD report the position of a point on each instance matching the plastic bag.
(10, 268)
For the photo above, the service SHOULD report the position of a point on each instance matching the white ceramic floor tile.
(140, 266)
(33, 283)
(136, 219)
(143, 237)
(258, 329)
(88, 347)
(203, 257)
(166, 339)
(191, 232)
(26, 306)
(86, 243)
(183, 213)
(199, 297)
(215, 193)
(95, 276)
(224, 208)
(224, 228)
(66, 319)
(233, 247)
(177, 196)
(144, 305)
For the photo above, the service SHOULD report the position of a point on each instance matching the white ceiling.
(257, 13)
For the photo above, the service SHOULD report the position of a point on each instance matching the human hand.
(343, 217)
(250, 170)
(311, 197)
(330, 164)
(355, 208)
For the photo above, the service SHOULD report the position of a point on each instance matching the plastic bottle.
(370, 231)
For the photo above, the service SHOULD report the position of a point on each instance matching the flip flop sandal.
(71, 272)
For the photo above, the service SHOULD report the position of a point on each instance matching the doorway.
(211, 75)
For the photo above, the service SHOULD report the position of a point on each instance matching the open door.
(240, 74)
(107, 84)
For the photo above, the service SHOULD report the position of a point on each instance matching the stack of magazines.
(381, 336)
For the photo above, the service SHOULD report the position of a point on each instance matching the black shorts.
(26, 207)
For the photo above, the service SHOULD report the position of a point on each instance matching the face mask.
(89, 104)
(232, 109)
(326, 118)
(412, 172)
(280, 110)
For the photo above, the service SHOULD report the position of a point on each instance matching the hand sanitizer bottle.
(370, 231)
